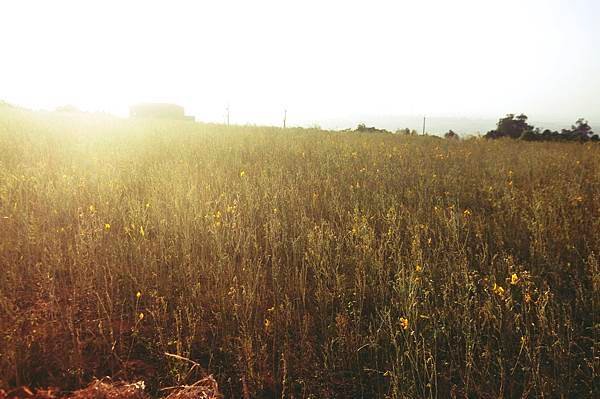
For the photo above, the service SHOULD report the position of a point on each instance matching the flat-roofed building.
(158, 110)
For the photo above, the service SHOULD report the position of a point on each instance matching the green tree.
(511, 126)
(581, 131)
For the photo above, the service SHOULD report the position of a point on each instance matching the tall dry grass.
(296, 263)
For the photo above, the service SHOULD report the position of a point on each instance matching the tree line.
(516, 127)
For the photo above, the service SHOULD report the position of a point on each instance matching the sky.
(323, 61)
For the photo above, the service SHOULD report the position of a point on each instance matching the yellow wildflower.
(498, 290)
(404, 323)
(106, 226)
(467, 213)
(418, 268)
(142, 232)
(141, 316)
(242, 173)
(514, 279)
(138, 295)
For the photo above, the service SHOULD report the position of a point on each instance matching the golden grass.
(296, 263)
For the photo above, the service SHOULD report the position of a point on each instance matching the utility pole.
(423, 126)
(227, 113)
(284, 117)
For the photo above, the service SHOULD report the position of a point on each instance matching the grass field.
(296, 263)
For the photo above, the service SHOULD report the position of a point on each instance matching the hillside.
(297, 262)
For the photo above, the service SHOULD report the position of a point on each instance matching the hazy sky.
(319, 59)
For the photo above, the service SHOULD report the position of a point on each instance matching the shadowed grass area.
(296, 263)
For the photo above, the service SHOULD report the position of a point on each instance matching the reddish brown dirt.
(206, 388)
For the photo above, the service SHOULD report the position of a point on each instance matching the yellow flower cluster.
(268, 326)
(498, 290)
(404, 323)
(514, 279)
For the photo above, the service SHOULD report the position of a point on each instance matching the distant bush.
(407, 131)
(451, 135)
(362, 128)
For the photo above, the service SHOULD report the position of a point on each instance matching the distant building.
(158, 110)
(70, 109)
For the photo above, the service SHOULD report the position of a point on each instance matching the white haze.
(327, 62)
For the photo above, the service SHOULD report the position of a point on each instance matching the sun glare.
(317, 59)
